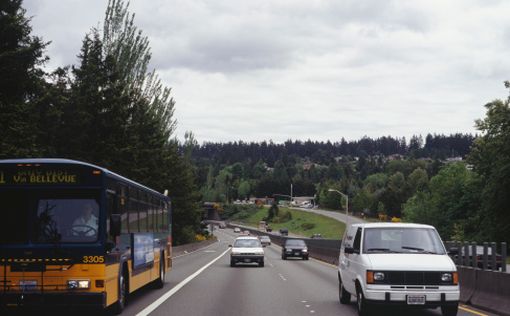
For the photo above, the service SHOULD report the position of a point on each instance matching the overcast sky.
(309, 69)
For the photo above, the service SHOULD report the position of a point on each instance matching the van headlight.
(305, 250)
(446, 277)
(379, 276)
(78, 284)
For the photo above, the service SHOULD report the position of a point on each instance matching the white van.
(397, 264)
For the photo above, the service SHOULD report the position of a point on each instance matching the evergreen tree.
(21, 82)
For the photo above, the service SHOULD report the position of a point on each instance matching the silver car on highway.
(247, 249)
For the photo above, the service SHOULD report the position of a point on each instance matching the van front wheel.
(363, 306)
(450, 310)
(343, 295)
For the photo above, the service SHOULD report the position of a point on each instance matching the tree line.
(109, 109)
(437, 146)
(458, 183)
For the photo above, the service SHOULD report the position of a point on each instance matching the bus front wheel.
(123, 292)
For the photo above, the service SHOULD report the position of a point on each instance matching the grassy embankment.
(327, 227)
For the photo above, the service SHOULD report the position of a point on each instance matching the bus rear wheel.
(160, 281)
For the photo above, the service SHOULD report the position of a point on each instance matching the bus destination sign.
(41, 177)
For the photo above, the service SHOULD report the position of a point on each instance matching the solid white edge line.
(149, 309)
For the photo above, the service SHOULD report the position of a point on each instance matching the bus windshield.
(44, 216)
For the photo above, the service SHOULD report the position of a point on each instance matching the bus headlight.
(78, 284)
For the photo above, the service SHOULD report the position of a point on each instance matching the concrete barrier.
(492, 292)
(467, 281)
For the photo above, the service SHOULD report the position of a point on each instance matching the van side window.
(357, 240)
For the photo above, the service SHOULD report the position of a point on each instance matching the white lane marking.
(282, 277)
(149, 309)
(303, 301)
(307, 306)
(312, 311)
(271, 265)
(189, 253)
(209, 251)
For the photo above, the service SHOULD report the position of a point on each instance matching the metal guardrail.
(487, 256)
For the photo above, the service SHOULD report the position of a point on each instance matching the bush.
(200, 237)
(186, 236)
(307, 226)
(241, 215)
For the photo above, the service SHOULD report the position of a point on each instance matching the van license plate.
(415, 299)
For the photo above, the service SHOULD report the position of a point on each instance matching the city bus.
(75, 234)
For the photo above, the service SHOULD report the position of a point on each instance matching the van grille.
(413, 278)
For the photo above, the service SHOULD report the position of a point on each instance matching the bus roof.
(80, 163)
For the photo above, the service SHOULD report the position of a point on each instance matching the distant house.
(395, 157)
(453, 159)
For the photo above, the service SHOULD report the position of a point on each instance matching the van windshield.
(402, 240)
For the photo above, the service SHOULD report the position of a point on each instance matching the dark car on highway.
(295, 248)
(284, 231)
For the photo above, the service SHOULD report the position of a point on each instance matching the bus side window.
(150, 216)
(133, 211)
(123, 210)
(111, 204)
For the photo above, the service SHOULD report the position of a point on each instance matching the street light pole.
(291, 194)
(346, 204)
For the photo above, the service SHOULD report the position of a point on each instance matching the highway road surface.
(203, 283)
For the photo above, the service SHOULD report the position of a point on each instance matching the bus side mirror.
(115, 225)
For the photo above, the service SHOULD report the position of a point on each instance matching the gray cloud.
(304, 69)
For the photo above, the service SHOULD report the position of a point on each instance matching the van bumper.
(440, 297)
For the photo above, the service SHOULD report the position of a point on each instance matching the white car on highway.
(247, 249)
(396, 264)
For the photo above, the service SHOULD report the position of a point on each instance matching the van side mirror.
(350, 250)
(115, 225)
(453, 251)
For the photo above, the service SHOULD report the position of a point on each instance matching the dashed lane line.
(149, 309)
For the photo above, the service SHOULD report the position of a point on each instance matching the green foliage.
(232, 210)
(490, 157)
(362, 202)
(282, 216)
(452, 199)
(272, 212)
(22, 84)
(308, 226)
